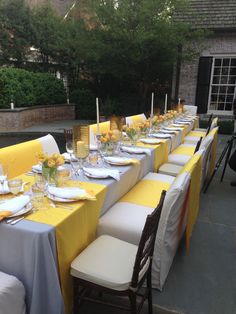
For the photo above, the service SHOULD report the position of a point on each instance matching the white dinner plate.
(23, 211)
(118, 161)
(101, 176)
(152, 141)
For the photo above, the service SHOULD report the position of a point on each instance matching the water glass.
(15, 186)
(37, 198)
(93, 158)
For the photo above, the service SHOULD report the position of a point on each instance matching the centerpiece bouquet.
(50, 164)
(144, 127)
(108, 140)
(133, 133)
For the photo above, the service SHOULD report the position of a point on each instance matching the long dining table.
(39, 249)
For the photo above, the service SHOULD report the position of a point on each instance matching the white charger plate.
(118, 161)
(60, 199)
(23, 211)
(152, 141)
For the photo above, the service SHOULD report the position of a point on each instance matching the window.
(223, 85)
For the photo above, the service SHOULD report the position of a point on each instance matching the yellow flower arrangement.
(144, 126)
(133, 132)
(50, 164)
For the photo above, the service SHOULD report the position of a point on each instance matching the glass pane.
(233, 62)
(230, 90)
(216, 80)
(228, 106)
(215, 89)
(222, 89)
(232, 71)
(232, 80)
(225, 71)
(213, 98)
(224, 79)
(220, 106)
(229, 98)
(225, 62)
(218, 62)
(217, 71)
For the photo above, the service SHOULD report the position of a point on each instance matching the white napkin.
(150, 141)
(72, 193)
(37, 168)
(179, 125)
(67, 157)
(120, 160)
(15, 204)
(136, 150)
(93, 147)
(102, 173)
(172, 129)
(160, 135)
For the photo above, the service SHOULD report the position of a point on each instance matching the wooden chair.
(113, 266)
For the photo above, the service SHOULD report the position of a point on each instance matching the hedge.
(27, 88)
(225, 126)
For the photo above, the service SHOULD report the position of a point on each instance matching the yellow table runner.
(146, 193)
(160, 153)
(194, 167)
(75, 229)
(20, 158)
(184, 150)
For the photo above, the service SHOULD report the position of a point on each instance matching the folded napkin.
(136, 150)
(180, 124)
(68, 157)
(160, 135)
(13, 205)
(37, 168)
(102, 173)
(93, 147)
(150, 141)
(120, 161)
(71, 193)
(172, 129)
(4, 186)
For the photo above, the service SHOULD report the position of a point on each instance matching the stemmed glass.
(82, 152)
(3, 178)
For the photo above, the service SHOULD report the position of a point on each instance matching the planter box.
(21, 118)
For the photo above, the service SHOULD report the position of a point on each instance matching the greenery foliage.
(26, 88)
(225, 126)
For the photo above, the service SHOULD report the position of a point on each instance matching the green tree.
(15, 31)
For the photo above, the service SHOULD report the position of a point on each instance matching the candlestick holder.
(81, 143)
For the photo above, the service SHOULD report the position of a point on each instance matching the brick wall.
(215, 45)
(21, 118)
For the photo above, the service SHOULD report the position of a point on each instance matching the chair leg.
(149, 287)
(133, 303)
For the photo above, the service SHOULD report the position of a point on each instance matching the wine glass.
(70, 148)
(3, 178)
(82, 152)
(15, 186)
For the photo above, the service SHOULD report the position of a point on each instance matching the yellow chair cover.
(137, 119)
(213, 133)
(20, 158)
(103, 127)
(146, 193)
(184, 150)
(197, 134)
(193, 167)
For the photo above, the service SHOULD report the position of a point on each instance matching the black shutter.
(203, 83)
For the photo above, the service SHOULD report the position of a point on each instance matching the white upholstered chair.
(12, 295)
(117, 267)
(49, 144)
(135, 119)
(191, 109)
(126, 220)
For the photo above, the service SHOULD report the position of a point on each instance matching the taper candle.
(152, 105)
(166, 104)
(97, 110)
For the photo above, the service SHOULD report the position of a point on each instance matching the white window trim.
(218, 112)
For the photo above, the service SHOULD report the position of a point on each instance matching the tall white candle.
(152, 105)
(97, 110)
(179, 102)
(165, 104)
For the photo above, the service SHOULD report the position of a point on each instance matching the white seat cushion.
(107, 262)
(178, 159)
(170, 169)
(188, 145)
(12, 295)
(159, 177)
(200, 130)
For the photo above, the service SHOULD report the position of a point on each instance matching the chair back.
(49, 144)
(209, 120)
(139, 118)
(171, 227)
(68, 133)
(104, 127)
(191, 109)
(147, 242)
(212, 125)
(198, 145)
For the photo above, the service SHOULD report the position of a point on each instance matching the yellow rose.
(51, 163)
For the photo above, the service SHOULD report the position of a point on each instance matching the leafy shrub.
(84, 100)
(27, 88)
(225, 126)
